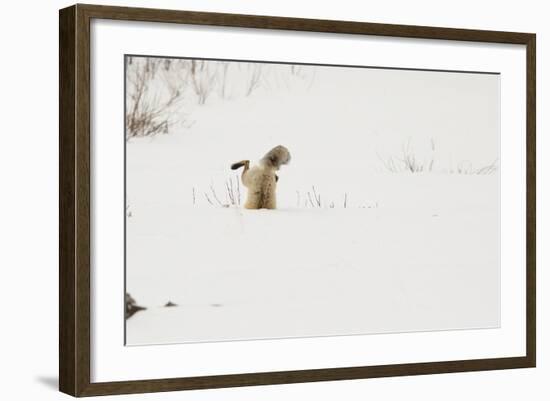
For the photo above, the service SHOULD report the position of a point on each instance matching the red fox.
(261, 180)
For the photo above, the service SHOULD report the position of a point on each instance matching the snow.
(385, 252)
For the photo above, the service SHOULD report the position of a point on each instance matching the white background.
(28, 206)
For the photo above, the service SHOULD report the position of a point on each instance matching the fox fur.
(261, 179)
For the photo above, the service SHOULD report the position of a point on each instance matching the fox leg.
(246, 165)
(242, 163)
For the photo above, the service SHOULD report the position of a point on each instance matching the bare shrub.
(156, 87)
(313, 199)
(203, 76)
(231, 196)
(466, 167)
(223, 80)
(215, 196)
(488, 169)
(208, 199)
(253, 78)
(147, 110)
(409, 161)
(231, 192)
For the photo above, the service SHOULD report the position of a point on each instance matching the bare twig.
(208, 198)
(229, 190)
(310, 200)
(317, 197)
(254, 79)
(233, 191)
(238, 190)
(215, 195)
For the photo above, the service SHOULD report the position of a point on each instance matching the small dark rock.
(131, 306)
(169, 304)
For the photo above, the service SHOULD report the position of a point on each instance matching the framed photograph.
(249, 200)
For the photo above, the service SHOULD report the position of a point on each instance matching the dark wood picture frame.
(74, 200)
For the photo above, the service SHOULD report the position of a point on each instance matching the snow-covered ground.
(385, 252)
